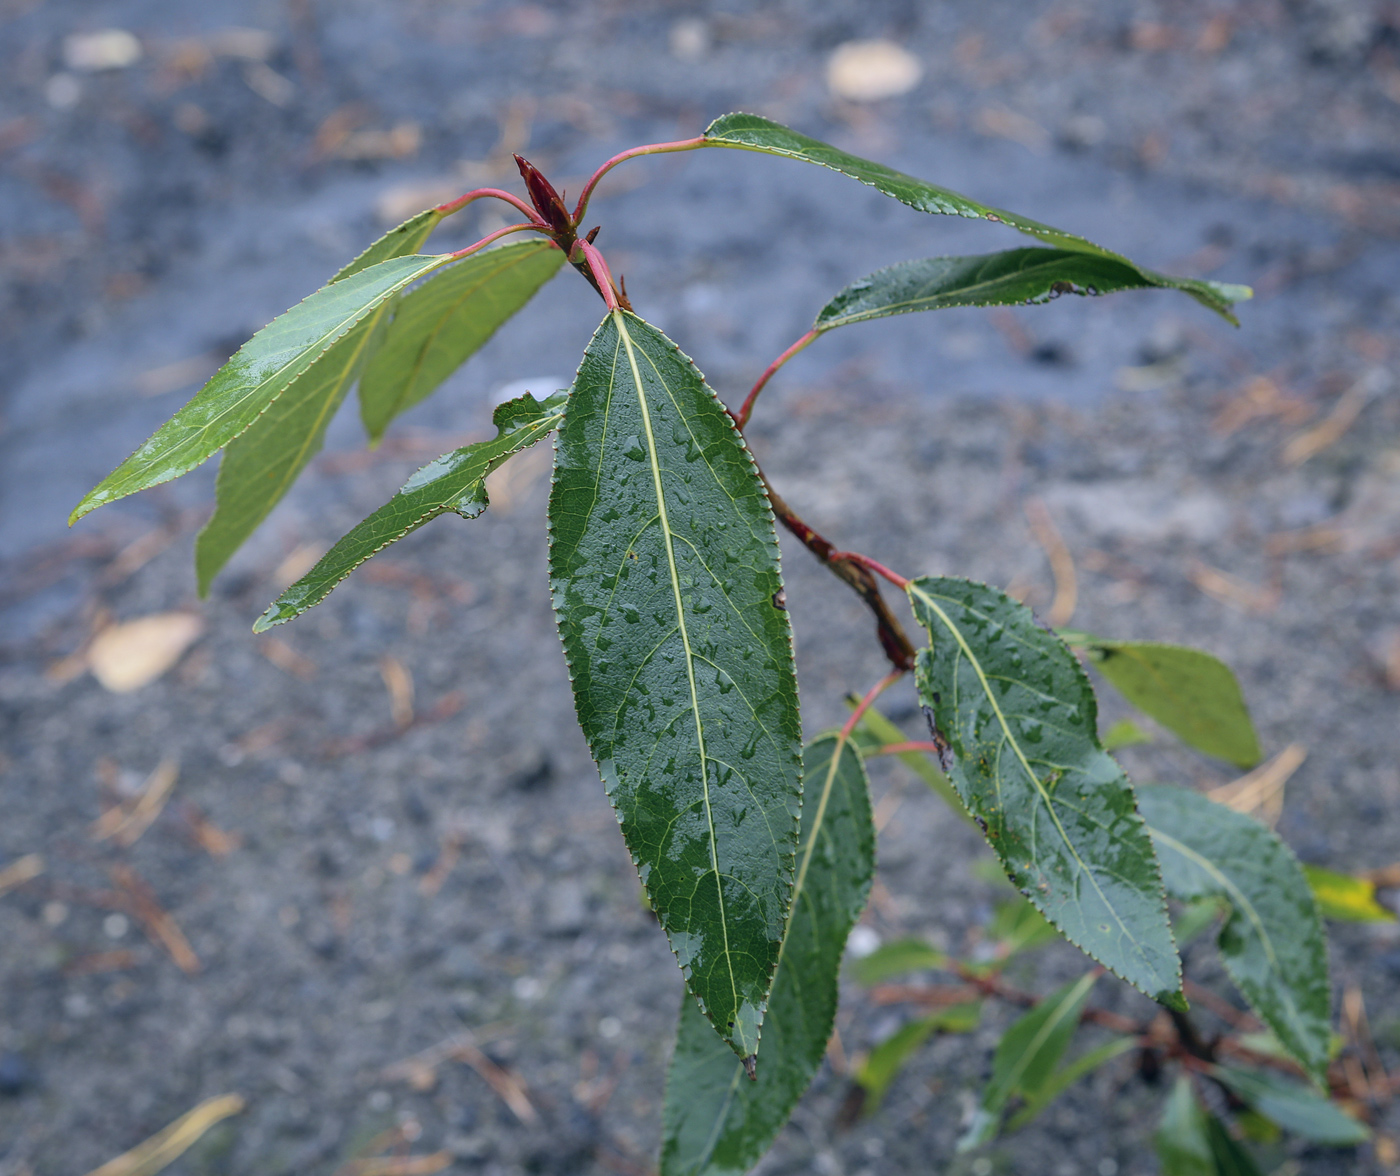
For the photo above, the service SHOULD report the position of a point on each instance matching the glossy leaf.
(1294, 1107)
(664, 567)
(259, 372)
(1027, 1055)
(453, 483)
(751, 132)
(1183, 1137)
(716, 1120)
(260, 465)
(1066, 1076)
(438, 325)
(1345, 897)
(1014, 277)
(897, 959)
(1021, 721)
(1190, 692)
(886, 1060)
(1272, 944)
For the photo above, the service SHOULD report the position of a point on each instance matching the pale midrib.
(1052, 1022)
(1020, 755)
(685, 641)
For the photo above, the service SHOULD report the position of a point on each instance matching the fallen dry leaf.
(128, 655)
(20, 871)
(167, 1145)
(867, 71)
(125, 822)
(1061, 562)
(1260, 792)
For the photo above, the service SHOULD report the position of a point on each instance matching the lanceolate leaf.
(1020, 718)
(259, 372)
(1294, 1107)
(752, 133)
(897, 959)
(438, 325)
(1027, 1054)
(888, 1058)
(454, 483)
(716, 1120)
(1272, 943)
(1066, 1076)
(991, 279)
(1190, 692)
(260, 465)
(664, 566)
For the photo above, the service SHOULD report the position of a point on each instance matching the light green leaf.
(716, 1120)
(1017, 926)
(1190, 692)
(1066, 1076)
(887, 1059)
(1027, 1055)
(438, 325)
(897, 959)
(1346, 898)
(1021, 721)
(259, 372)
(1294, 1107)
(749, 132)
(1272, 944)
(260, 465)
(664, 567)
(1124, 733)
(453, 483)
(1183, 1137)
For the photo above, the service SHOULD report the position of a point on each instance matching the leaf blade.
(437, 326)
(715, 1119)
(1069, 834)
(452, 483)
(1294, 1107)
(885, 1061)
(259, 372)
(1272, 944)
(664, 569)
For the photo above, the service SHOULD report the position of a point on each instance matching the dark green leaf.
(1190, 692)
(438, 325)
(1021, 720)
(664, 567)
(888, 1058)
(1027, 1055)
(1183, 1138)
(1272, 944)
(1011, 278)
(1066, 1076)
(1346, 898)
(454, 482)
(259, 372)
(750, 132)
(1294, 1107)
(716, 1120)
(897, 959)
(260, 465)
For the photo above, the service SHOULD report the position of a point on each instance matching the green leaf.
(1190, 692)
(717, 1121)
(260, 465)
(664, 568)
(1294, 1107)
(1026, 1056)
(1230, 1156)
(1021, 721)
(888, 1058)
(883, 733)
(438, 325)
(749, 132)
(1011, 278)
(1124, 733)
(1198, 917)
(897, 959)
(1272, 944)
(1183, 1137)
(1066, 1076)
(259, 372)
(454, 482)
(1346, 898)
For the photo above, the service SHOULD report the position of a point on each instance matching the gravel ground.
(156, 214)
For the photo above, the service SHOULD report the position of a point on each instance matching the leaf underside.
(258, 373)
(716, 1120)
(664, 570)
(1192, 693)
(751, 132)
(1021, 720)
(1272, 944)
(453, 483)
(437, 326)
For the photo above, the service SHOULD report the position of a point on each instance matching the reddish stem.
(747, 409)
(878, 568)
(497, 193)
(601, 275)
(861, 707)
(486, 240)
(649, 149)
